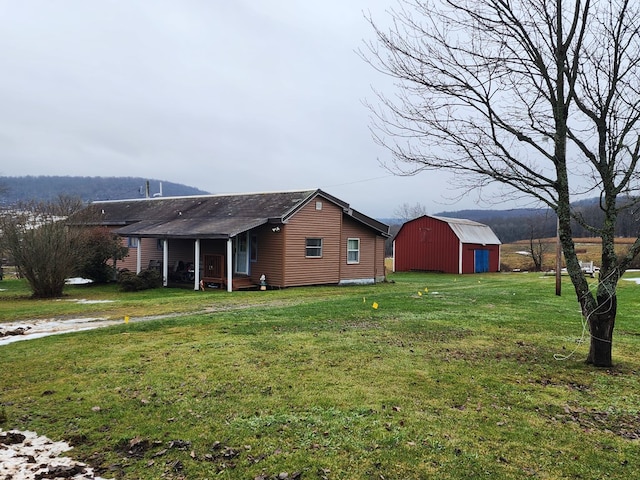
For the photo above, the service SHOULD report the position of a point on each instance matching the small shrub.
(151, 278)
(146, 279)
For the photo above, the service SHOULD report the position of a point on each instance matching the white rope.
(585, 321)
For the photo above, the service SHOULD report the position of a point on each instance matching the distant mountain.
(514, 224)
(47, 188)
(526, 223)
(481, 215)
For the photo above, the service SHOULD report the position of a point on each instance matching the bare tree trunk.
(601, 330)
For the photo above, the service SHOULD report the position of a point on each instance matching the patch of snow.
(42, 328)
(30, 329)
(25, 455)
(637, 280)
(84, 301)
(77, 281)
(522, 252)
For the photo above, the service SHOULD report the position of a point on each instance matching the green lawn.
(477, 376)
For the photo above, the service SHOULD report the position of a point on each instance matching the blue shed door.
(481, 260)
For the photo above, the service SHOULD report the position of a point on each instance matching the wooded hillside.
(508, 225)
(46, 188)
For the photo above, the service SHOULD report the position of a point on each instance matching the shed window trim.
(313, 247)
(353, 251)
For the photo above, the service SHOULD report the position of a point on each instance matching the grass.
(457, 381)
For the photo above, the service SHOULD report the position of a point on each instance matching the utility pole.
(558, 261)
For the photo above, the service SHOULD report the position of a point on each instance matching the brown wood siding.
(269, 255)
(149, 252)
(312, 223)
(128, 262)
(366, 268)
(218, 247)
(181, 251)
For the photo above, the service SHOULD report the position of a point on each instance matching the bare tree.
(45, 250)
(539, 96)
(538, 247)
(407, 212)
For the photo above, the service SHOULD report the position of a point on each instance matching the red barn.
(449, 245)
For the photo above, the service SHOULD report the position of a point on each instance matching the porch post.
(165, 262)
(196, 266)
(229, 265)
(139, 256)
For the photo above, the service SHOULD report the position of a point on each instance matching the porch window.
(353, 250)
(314, 248)
(132, 242)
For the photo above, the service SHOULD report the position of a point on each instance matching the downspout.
(165, 262)
(196, 265)
(460, 257)
(229, 265)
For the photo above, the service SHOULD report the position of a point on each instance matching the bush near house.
(146, 279)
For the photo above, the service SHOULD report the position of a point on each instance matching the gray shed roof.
(210, 216)
(469, 231)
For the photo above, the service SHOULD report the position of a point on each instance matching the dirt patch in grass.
(624, 425)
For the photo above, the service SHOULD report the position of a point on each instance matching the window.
(132, 242)
(318, 205)
(353, 250)
(314, 247)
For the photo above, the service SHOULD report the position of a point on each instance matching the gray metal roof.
(209, 216)
(469, 231)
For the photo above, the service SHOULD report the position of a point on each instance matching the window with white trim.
(353, 250)
(132, 242)
(313, 248)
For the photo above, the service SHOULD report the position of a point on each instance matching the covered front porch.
(202, 263)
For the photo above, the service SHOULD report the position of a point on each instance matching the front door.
(481, 261)
(242, 254)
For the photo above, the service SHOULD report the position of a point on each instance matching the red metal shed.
(449, 245)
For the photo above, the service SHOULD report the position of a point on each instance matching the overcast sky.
(226, 96)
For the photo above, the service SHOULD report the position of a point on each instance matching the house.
(449, 245)
(231, 241)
